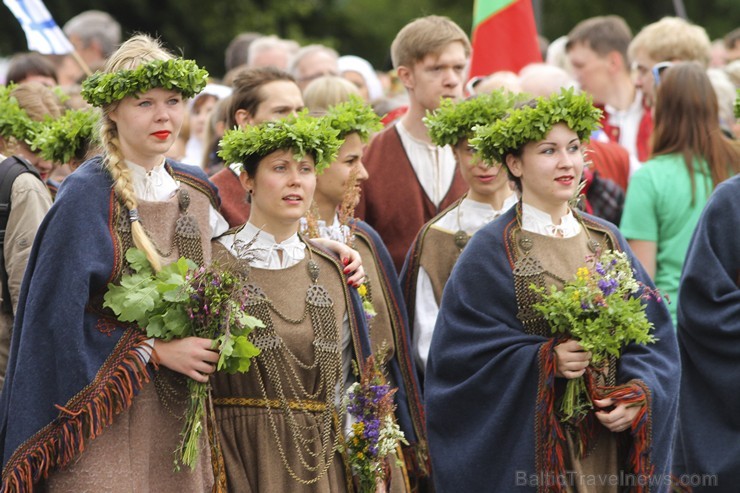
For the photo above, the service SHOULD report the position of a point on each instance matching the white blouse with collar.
(434, 166)
(469, 216)
(157, 185)
(536, 221)
(265, 252)
(335, 231)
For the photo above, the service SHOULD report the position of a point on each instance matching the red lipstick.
(162, 134)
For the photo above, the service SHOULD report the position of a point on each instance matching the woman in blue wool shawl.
(83, 407)
(495, 370)
(707, 443)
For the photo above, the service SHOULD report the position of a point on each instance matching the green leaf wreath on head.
(183, 76)
(303, 134)
(62, 139)
(453, 120)
(14, 121)
(531, 123)
(353, 115)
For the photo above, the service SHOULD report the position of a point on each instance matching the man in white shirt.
(410, 179)
(597, 51)
(260, 94)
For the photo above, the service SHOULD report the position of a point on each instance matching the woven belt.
(313, 406)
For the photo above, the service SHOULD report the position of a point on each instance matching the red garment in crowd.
(234, 205)
(393, 201)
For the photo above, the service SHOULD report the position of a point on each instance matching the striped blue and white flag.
(42, 33)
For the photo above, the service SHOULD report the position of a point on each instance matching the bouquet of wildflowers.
(375, 435)
(183, 300)
(602, 309)
(367, 302)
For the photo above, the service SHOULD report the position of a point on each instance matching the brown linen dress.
(136, 452)
(265, 449)
(596, 470)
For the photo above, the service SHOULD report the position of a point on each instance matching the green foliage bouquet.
(184, 300)
(600, 308)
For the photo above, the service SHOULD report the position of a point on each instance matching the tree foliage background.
(201, 29)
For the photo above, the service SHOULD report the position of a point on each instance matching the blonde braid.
(136, 50)
(124, 188)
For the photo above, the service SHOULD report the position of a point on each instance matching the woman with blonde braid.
(90, 403)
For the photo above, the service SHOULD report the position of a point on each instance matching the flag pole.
(680, 9)
(84, 66)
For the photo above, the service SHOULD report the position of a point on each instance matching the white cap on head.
(352, 63)
(219, 90)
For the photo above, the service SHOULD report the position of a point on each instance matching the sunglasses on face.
(658, 70)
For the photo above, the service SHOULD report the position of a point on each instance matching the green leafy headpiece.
(453, 121)
(303, 134)
(184, 76)
(69, 136)
(353, 115)
(14, 121)
(737, 104)
(532, 123)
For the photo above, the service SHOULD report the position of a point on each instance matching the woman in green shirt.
(690, 157)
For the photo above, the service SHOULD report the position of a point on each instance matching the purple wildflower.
(608, 286)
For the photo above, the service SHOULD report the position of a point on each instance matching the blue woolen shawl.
(72, 367)
(481, 387)
(708, 441)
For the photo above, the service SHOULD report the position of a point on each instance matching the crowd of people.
(414, 215)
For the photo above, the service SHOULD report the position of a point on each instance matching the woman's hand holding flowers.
(571, 360)
(191, 356)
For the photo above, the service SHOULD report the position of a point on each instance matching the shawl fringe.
(85, 418)
(416, 458)
(677, 486)
(638, 455)
(550, 431)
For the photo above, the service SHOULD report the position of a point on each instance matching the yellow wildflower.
(582, 274)
(362, 290)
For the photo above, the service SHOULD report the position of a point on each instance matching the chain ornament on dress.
(171, 389)
(461, 236)
(187, 231)
(281, 367)
(528, 270)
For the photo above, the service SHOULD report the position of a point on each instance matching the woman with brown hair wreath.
(331, 216)
(24, 193)
(496, 370)
(278, 424)
(86, 405)
(438, 245)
